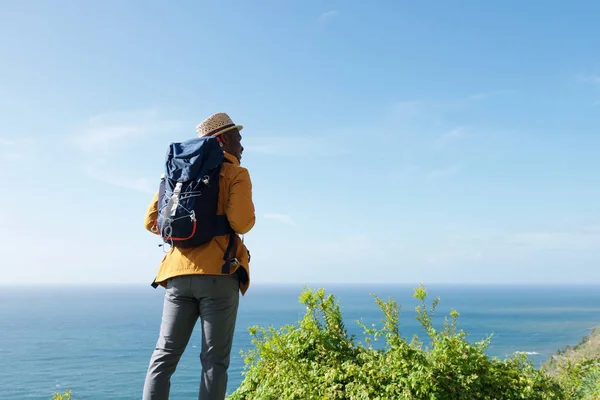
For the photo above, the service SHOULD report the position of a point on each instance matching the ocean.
(97, 340)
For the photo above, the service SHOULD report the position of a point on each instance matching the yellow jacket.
(235, 201)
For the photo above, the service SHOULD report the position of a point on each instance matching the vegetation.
(579, 379)
(588, 348)
(64, 396)
(317, 359)
(577, 369)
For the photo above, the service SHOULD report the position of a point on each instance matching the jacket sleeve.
(240, 209)
(152, 214)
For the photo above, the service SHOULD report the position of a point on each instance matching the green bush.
(579, 379)
(65, 396)
(317, 359)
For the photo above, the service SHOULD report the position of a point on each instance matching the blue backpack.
(189, 192)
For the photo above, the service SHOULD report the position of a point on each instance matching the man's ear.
(223, 137)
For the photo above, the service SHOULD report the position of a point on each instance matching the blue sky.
(391, 141)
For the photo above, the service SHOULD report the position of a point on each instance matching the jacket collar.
(231, 158)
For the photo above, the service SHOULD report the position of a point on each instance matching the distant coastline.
(587, 348)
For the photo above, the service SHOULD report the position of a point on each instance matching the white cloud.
(465, 246)
(412, 108)
(423, 117)
(103, 138)
(432, 111)
(580, 239)
(457, 255)
(492, 93)
(106, 133)
(320, 256)
(590, 229)
(421, 128)
(99, 172)
(282, 218)
(593, 79)
(342, 246)
(328, 15)
(16, 149)
(293, 146)
(454, 135)
(409, 108)
(443, 172)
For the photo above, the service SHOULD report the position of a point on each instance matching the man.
(196, 283)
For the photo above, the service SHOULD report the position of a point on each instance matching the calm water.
(98, 340)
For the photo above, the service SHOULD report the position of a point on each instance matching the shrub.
(317, 359)
(579, 379)
(65, 396)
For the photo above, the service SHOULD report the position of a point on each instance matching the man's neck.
(231, 158)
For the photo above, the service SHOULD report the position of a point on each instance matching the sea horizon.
(314, 284)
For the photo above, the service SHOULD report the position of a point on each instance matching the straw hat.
(216, 124)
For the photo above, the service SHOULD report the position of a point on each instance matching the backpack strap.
(222, 226)
(229, 256)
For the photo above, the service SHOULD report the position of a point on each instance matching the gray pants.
(215, 300)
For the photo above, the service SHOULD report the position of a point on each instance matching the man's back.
(235, 201)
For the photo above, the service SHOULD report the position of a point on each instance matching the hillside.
(588, 348)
